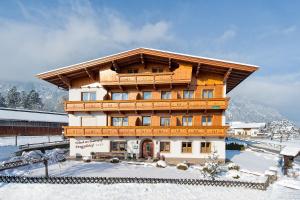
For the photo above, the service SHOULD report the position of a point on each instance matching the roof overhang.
(233, 72)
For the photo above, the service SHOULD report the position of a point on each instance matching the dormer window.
(88, 96)
(157, 70)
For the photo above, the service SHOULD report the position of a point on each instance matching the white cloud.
(66, 36)
(226, 36)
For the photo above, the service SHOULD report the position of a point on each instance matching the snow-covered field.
(124, 169)
(131, 191)
(249, 161)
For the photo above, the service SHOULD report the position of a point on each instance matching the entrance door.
(147, 149)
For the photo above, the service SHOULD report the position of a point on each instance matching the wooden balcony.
(146, 105)
(182, 75)
(147, 131)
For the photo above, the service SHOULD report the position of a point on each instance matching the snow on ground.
(248, 160)
(124, 169)
(6, 152)
(251, 160)
(140, 191)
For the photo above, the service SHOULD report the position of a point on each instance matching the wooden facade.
(156, 72)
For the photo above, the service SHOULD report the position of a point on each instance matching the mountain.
(242, 109)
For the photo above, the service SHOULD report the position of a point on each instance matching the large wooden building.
(149, 103)
(23, 122)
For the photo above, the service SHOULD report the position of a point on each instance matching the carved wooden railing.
(145, 79)
(160, 104)
(149, 131)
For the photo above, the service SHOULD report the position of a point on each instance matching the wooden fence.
(124, 180)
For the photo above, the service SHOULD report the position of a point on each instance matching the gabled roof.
(10, 114)
(236, 72)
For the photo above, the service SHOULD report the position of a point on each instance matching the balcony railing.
(160, 104)
(180, 75)
(148, 131)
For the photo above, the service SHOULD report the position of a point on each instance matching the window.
(165, 95)
(188, 94)
(186, 147)
(88, 96)
(164, 147)
(157, 70)
(146, 121)
(118, 146)
(205, 147)
(119, 96)
(187, 121)
(120, 121)
(207, 93)
(147, 95)
(165, 121)
(132, 71)
(206, 120)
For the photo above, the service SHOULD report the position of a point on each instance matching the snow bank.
(161, 163)
(290, 184)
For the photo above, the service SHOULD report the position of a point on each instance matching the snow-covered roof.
(290, 151)
(32, 115)
(236, 125)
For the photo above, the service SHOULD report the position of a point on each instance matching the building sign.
(215, 107)
(83, 144)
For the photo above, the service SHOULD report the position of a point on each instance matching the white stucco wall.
(95, 118)
(75, 93)
(84, 146)
(75, 118)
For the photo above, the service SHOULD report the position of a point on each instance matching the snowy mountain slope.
(51, 95)
(241, 109)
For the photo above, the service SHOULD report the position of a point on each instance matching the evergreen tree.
(24, 99)
(2, 101)
(13, 98)
(34, 101)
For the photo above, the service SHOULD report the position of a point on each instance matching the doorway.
(147, 148)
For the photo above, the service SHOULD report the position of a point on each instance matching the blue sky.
(40, 35)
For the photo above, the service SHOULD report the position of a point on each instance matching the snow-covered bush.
(161, 164)
(32, 155)
(211, 167)
(114, 160)
(56, 155)
(86, 159)
(234, 174)
(233, 166)
(182, 166)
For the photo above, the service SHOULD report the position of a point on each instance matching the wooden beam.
(115, 65)
(226, 76)
(90, 74)
(65, 80)
(198, 69)
(143, 61)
